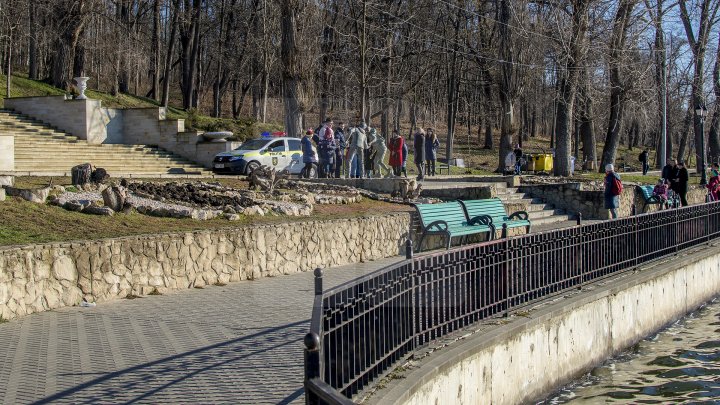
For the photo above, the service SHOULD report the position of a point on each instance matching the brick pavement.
(238, 344)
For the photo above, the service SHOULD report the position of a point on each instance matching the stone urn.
(218, 136)
(81, 85)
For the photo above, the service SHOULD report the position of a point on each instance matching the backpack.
(617, 187)
(641, 157)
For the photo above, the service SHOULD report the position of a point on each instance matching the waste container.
(530, 165)
(544, 162)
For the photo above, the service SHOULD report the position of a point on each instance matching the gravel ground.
(132, 199)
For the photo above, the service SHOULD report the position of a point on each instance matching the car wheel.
(313, 172)
(251, 167)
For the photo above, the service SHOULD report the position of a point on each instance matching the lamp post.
(701, 111)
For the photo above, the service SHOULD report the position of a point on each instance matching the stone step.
(550, 220)
(533, 215)
(539, 207)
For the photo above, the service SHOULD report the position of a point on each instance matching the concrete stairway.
(41, 149)
(540, 214)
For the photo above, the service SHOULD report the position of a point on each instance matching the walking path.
(238, 344)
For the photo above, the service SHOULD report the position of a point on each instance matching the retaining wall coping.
(153, 236)
(439, 362)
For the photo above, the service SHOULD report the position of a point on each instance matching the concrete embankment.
(525, 357)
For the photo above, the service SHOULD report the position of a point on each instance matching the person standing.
(405, 151)
(668, 170)
(396, 152)
(380, 152)
(713, 185)
(419, 146)
(326, 154)
(357, 143)
(682, 183)
(613, 189)
(308, 154)
(644, 160)
(340, 150)
(518, 163)
(431, 147)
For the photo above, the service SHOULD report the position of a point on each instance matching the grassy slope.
(242, 128)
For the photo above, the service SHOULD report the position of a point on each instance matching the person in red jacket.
(395, 146)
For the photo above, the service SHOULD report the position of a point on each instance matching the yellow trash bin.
(544, 163)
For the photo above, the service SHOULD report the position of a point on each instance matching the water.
(681, 364)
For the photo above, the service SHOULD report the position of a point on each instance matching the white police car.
(280, 152)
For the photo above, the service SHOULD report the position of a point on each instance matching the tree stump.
(81, 174)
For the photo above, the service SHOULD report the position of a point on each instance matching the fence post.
(506, 266)
(312, 365)
(408, 249)
(579, 256)
(633, 210)
(318, 281)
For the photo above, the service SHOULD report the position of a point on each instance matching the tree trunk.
(617, 87)
(170, 54)
(293, 95)
(568, 87)
(32, 55)
(155, 68)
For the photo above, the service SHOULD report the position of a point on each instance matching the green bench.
(449, 219)
(494, 208)
(648, 197)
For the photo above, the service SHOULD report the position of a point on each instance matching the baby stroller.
(673, 200)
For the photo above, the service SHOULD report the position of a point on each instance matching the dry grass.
(24, 222)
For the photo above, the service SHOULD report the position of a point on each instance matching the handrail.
(361, 329)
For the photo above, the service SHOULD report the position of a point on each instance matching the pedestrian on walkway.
(308, 154)
(518, 159)
(357, 144)
(713, 185)
(419, 146)
(682, 183)
(340, 151)
(431, 146)
(668, 170)
(380, 152)
(396, 152)
(613, 189)
(405, 152)
(645, 161)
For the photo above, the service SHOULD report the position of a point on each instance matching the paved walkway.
(238, 344)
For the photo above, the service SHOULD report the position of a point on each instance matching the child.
(660, 192)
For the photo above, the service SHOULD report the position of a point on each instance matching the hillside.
(242, 128)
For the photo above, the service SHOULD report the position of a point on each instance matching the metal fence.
(362, 328)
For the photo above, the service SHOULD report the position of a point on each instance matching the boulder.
(7, 181)
(115, 197)
(99, 176)
(95, 210)
(38, 195)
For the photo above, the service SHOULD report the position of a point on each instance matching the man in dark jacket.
(682, 183)
(419, 144)
(644, 160)
(340, 151)
(668, 170)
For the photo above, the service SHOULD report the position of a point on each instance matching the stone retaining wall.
(590, 203)
(36, 278)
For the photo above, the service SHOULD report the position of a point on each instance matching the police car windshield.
(253, 144)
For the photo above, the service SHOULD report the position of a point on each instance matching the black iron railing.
(362, 328)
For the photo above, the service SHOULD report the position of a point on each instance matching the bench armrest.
(519, 215)
(481, 220)
(441, 226)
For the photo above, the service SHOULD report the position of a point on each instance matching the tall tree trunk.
(684, 132)
(568, 87)
(698, 45)
(170, 54)
(155, 91)
(507, 84)
(32, 55)
(617, 87)
(714, 138)
(293, 94)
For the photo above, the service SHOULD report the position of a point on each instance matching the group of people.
(674, 176)
(362, 152)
